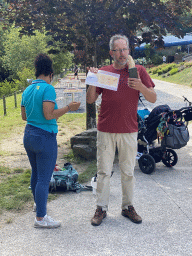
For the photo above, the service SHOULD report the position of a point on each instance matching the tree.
(61, 60)
(20, 52)
(90, 23)
(3, 72)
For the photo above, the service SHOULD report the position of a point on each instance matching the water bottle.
(94, 185)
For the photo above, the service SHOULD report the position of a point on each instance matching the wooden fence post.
(15, 97)
(4, 105)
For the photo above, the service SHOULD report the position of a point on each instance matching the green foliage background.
(17, 55)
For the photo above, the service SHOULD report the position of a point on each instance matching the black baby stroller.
(174, 135)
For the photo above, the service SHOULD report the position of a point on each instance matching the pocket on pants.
(102, 146)
(34, 143)
(103, 141)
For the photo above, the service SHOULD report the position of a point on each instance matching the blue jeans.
(41, 148)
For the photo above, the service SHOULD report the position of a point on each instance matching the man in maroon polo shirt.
(117, 126)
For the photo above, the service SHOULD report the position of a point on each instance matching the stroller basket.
(177, 134)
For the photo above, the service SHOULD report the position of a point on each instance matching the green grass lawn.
(14, 189)
(12, 121)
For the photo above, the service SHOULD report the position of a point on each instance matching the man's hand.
(91, 92)
(135, 83)
(93, 70)
(148, 93)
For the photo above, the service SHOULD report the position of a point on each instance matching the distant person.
(87, 70)
(39, 109)
(117, 126)
(164, 59)
(76, 72)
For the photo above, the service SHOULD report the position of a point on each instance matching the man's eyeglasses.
(121, 50)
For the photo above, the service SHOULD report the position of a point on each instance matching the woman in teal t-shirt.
(39, 109)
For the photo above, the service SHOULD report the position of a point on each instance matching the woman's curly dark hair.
(43, 65)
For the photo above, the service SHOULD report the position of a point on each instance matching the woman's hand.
(73, 106)
(51, 113)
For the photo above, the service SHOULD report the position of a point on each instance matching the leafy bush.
(154, 70)
(168, 67)
(156, 59)
(159, 72)
(7, 88)
(173, 71)
(165, 69)
(172, 65)
(25, 74)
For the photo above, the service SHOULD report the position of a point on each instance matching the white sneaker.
(46, 222)
(34, 207)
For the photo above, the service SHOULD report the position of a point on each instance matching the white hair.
(116, 37)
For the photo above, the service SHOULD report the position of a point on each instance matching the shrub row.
(8, 87)
(173, 71)
(169, 69)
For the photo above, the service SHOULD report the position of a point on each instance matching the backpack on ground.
(66, 179)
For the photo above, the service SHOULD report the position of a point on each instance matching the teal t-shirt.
(32, 99)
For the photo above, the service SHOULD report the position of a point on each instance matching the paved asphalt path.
(163, 199)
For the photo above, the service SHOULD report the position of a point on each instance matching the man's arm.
(148, 93)
(92, 95)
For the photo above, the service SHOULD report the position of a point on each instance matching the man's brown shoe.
(131, 214)
(98, 217)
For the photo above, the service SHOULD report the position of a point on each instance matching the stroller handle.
(184, 112)
(181, 110)
(185, 99)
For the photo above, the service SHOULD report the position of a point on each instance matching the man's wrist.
(93, 87)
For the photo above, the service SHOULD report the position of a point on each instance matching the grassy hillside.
(183, 73)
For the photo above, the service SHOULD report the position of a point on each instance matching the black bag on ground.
(177, 137)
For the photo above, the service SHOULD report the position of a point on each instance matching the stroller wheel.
(146, 163)
(170, 157)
